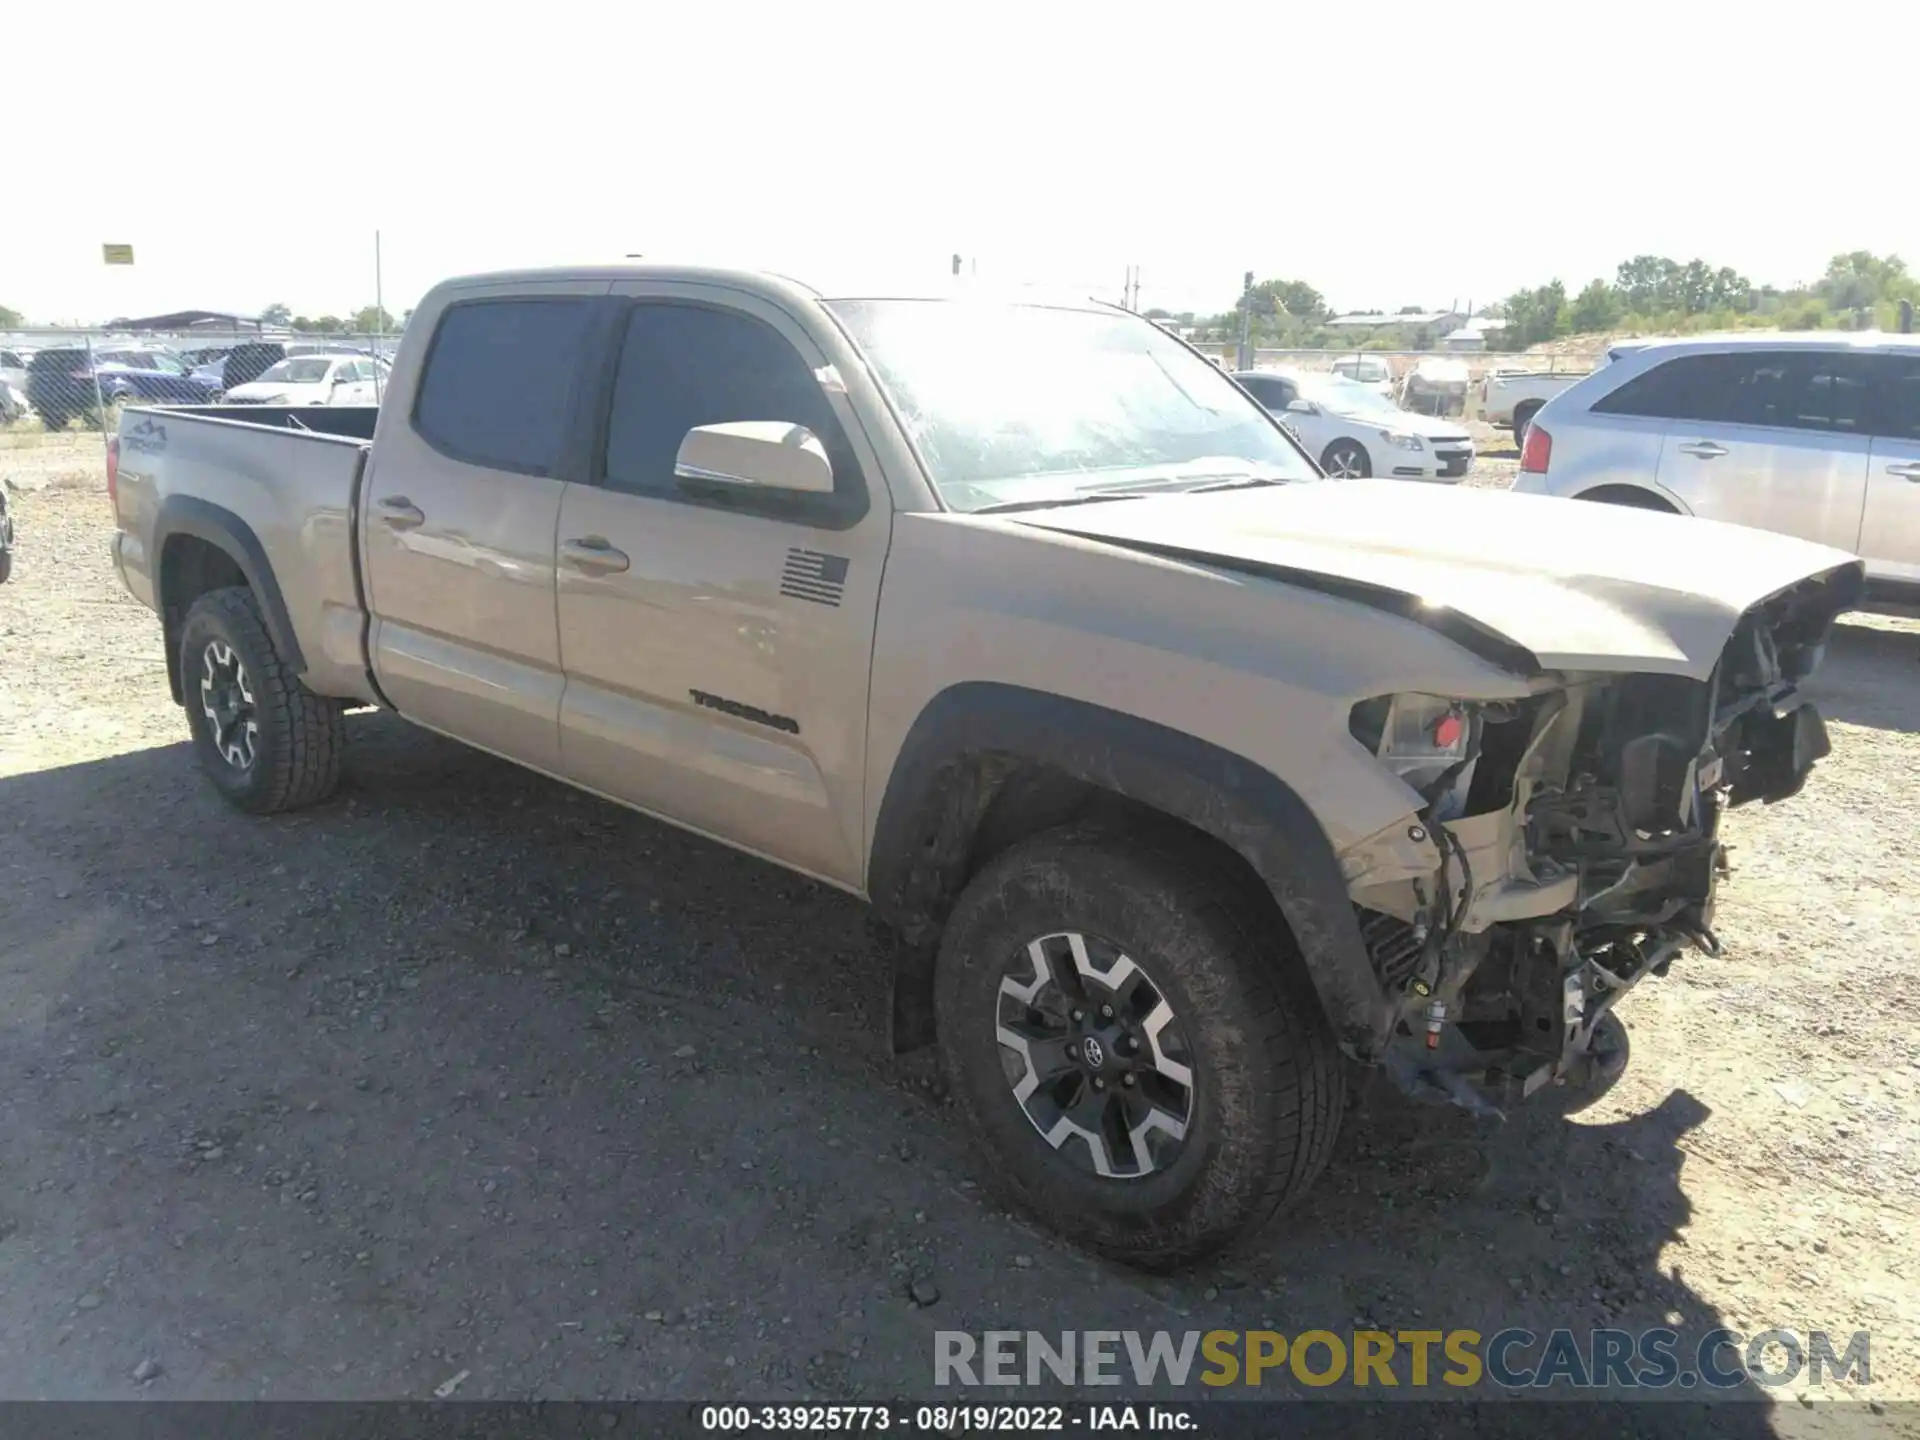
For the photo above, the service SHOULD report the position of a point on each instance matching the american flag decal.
(812, 576)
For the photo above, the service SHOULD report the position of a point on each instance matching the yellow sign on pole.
(117, 254)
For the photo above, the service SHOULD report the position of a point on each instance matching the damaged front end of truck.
(1567, 846)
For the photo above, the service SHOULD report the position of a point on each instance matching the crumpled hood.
(1578, 585)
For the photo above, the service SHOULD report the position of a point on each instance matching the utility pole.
(1246, 323)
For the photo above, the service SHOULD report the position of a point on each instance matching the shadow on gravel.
(1871, 676)
(466, 1072)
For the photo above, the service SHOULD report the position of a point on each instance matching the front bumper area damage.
(1567, 846)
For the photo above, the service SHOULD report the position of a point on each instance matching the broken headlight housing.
(1423, 739)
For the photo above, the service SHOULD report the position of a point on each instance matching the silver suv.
(1810, 435)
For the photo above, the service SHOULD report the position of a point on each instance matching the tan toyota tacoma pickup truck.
(1186, 776)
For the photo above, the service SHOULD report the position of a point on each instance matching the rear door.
(1890, 525)
(462, 496)
(1774, 439)
(718, 641)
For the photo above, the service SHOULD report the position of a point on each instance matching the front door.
(1780, 443)
(717, 641)
(462, 496)
(1890, 525)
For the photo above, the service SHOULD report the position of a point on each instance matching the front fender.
(972, 735)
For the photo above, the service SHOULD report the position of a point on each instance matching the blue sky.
(1389, 153)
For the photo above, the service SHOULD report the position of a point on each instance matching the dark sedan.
(61, 383)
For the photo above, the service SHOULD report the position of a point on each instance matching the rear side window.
(1691, 387)
(683, 366)
(1784, 389)
(499, 382)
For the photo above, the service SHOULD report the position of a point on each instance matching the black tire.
(6, 566)
(1353, 452)
(1267, 1083)
(1522, 419)
(293, 752)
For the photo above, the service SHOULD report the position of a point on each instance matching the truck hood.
(1573, 585)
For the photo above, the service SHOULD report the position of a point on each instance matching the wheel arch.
(198, 547)
(985, 765)
(1638, 497)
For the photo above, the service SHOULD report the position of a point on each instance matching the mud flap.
(909, 970)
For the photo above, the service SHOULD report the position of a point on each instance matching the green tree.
(10, 318)
(1286, 297)
(276, 314)
(1594, 308)
(1648, 283)
(372, 319)
(1860, 278)
(1535, 315)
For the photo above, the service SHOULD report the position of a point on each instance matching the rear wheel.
(1132, 1040)
(1347, 460)
(266, 741)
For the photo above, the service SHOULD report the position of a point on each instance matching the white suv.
(1811, 435)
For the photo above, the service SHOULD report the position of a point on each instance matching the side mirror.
(1302, 407)
(768, 454)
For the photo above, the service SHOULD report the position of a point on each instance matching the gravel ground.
(464, 1072)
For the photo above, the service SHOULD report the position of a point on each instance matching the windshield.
(299, 372)
(1014, 403)
(1344, 397)
(1371, 371)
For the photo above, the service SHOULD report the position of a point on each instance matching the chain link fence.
(57, 379)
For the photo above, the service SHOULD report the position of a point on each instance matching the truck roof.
(867, 286)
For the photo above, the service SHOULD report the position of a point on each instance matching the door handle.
(1704, 450)
(399, 513)
(594, 556)
(1906, 471)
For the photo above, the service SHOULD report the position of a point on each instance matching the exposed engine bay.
(1567, 846)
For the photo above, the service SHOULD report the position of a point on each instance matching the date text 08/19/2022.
(947, 1419)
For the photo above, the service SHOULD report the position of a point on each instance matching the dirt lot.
(463, 1072)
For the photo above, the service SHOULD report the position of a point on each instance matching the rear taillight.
(113, 472)
(1537, 452)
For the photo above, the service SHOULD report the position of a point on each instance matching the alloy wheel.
(226, 699)
(1095, 1056)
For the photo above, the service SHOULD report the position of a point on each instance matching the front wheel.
(1132, 1040)
(1347, 460)
(266, 741)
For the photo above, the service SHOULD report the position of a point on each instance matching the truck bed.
(277, 486)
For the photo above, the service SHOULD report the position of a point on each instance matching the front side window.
(1895, 402)
(1010, 403)
(683, 366)
(499, 382)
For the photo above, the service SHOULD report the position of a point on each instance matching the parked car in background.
(1810, 435)
(1435, 386)
(13, 369)
(1369, 371)
(1354, 433)
(1513, 397)
(61, 382)
(13, 403)
(312, 380)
